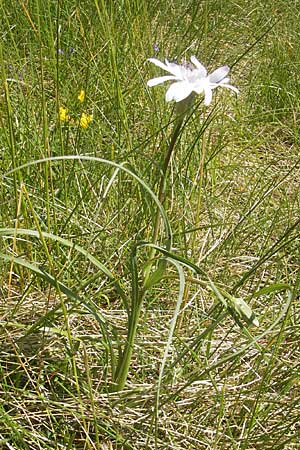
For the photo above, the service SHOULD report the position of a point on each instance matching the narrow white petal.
(200, 85)
(225, 80)
(207, 96)
(159, 80)
(218, 74)
(200, 67)
(179, 91)
(159, 63)
(229, 86)
(176, 69)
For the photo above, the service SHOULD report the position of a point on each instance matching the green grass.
(73, 229)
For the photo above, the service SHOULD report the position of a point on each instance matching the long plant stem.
(138, 295)
(162, 188)
(122, 372)
(164, 169)
(133, 319)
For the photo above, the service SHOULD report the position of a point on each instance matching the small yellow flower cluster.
(81, 96)
(84, 120)
(63, 114)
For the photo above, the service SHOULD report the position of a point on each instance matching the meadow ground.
(105, 341)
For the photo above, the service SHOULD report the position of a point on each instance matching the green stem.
(122, 372)
(133, 320)
(138, 295)
(162, 188)
(17, 179)
(164, 169)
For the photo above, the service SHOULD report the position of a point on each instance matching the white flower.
(191, 78)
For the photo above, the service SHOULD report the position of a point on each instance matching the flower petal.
(218, 74)
(179, 91)
(200, 85)
(207, 95)
(172, 68)
(229, 86)
(158, 63)
(159, 80)
(225, 80)
(176, 69)
(200, 67)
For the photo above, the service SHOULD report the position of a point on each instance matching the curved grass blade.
(78, 248)
(238, 308)
(71, 295)
(122, 167)
(170, 338)
(196, 375)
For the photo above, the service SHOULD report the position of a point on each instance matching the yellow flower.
(81, 96)
(63, 114)
(85, 120)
